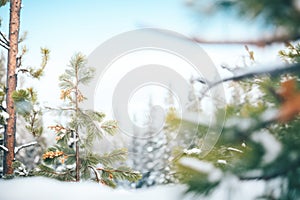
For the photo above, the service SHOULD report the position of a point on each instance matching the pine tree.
(73, 158)
(12, 45)
(18, 101)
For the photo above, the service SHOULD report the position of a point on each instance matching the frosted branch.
(17, 149)
(234, 149)
(252, 72)
(98, 178)
(4, 148)
(59, 109)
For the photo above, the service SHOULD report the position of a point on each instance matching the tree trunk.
(10, 132)
(76, 128)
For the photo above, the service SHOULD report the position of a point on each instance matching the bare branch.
(6, 40)
(23, 70)
(2, 108)
(17, 149)
(3, 45)
(262, 42)
(59, 109)
(4, 148)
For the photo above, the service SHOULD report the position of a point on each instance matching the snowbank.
(48, 189)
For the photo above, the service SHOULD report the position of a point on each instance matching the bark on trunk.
(9, 135)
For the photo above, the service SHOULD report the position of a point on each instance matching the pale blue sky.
(69, 26)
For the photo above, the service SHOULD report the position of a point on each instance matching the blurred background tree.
(260, 138)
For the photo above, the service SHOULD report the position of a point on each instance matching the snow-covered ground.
(49, 189)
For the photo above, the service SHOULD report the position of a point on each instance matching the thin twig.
(3, 36)
(2, 108)
(114, 170)
(4, 148)
(262, 42)
(2, 41)
(17, 149)
(68, 81)
(98, 179)
(59, 109)
(5, 47)
(23, 70)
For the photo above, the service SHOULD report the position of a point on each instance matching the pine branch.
(51, 173)
(70, 82)
(4, 148)
(252, 72)
(110, 158)
(123, 173)
(17, 149)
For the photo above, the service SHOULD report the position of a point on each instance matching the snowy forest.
(175, 99)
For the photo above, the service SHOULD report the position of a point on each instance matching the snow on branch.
(98, 177)
(252, 72)
(17, 149)
(214, 174)
(4, 148)
(234, 149)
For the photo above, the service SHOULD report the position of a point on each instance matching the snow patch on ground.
(231, 188)
(49, 189)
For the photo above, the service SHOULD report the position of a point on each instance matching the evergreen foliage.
(259, 141)
(73, 157)
(281, 15)
(28, 110)
(18, 100)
